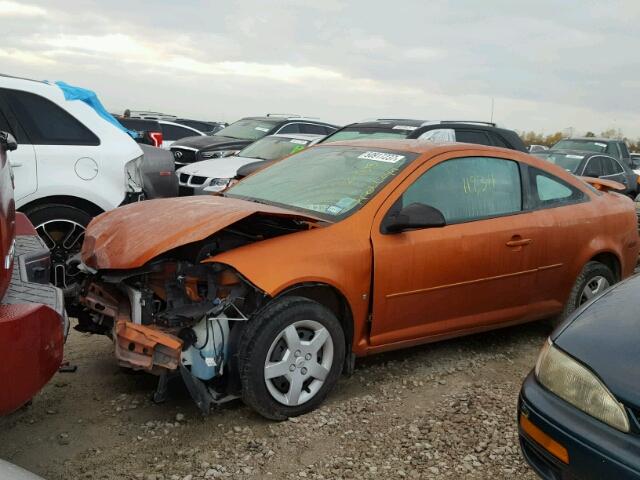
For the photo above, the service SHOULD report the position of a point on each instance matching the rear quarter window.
(45, 123)
(472, 136)
(549, 191)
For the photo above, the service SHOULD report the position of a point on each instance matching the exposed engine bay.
(180, 314)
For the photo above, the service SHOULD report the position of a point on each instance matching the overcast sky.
(548, 64)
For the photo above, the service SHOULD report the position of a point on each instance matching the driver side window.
(471, 188)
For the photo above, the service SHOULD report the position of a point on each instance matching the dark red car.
(33, 322)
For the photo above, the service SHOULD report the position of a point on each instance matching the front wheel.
(61, 227)
(290, 357)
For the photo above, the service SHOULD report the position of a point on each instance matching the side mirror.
(414, 216)
(7, 142)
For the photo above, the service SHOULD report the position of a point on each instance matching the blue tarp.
(90, 98)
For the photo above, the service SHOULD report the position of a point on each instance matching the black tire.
(42, 214)
(254, 345)
(589, 272)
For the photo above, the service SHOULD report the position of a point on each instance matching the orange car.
(271, 290)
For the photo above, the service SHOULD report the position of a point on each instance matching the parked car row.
(215, 175)
(339, 242)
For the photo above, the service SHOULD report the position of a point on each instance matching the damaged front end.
(167, 311)
(172, 317)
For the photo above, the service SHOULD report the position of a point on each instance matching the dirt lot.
(438, 411)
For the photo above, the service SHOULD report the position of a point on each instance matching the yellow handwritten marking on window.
(478, 184)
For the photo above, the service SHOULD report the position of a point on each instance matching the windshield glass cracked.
(332, 182)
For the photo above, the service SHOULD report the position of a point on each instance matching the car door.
(476, 271)
(23, 159)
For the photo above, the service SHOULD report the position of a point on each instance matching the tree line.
(535, 138)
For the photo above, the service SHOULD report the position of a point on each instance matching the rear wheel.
(290, 357)
(62, 228)
(592, 282)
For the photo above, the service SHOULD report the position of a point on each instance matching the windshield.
(330, 182)
(273, 148)
(247, 129)
(355, 133)
(568, 161)
(588, 145)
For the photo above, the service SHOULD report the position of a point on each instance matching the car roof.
(167, 122)
(412, 122)
(297, 136)
(418, 146)
(591, 139)
(387, 122)
(276, 120)
(572, 151)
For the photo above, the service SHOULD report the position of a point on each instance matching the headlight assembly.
(218, 153)
(132, 175)
(217, 184)
(574, 383)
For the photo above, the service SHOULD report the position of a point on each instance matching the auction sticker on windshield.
(298, 142)
(404, 127)
(262, 129)
(381, 157)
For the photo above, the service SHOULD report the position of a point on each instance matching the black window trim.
(298, 122)
(522, 210)
(10, 114)
(599, 155)
(528, 194)
(536, 204)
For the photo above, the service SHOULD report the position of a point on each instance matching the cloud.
(9, 8)
(563, 63)
(26, 57)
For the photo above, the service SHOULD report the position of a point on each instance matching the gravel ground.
(445, 410)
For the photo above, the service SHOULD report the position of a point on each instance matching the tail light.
(157, 138)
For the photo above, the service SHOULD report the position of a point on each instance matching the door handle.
(15, 164)
(518, 241)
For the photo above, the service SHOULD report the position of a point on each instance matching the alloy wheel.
(64, 239)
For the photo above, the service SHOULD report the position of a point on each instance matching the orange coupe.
(269, 291)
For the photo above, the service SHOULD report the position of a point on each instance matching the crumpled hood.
(606, 338)
(130, 236)
(211, 142)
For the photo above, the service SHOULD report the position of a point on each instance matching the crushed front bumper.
(137, 346)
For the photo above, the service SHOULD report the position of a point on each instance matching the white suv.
(71, 164)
